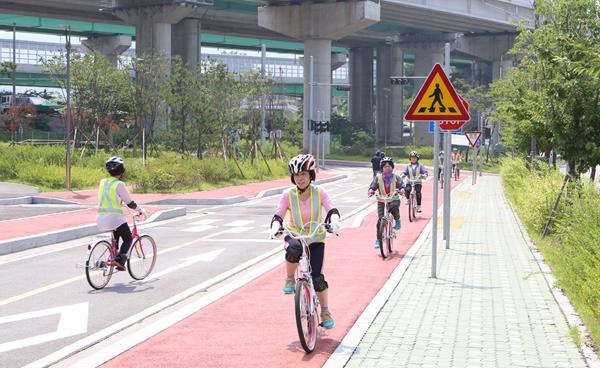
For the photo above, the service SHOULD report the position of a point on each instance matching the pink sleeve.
(123, 193)
(284, 204)
(325, 200)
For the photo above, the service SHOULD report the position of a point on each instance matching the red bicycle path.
(255, 325)
(11, 229)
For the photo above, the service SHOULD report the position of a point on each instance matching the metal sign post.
(436, 165)
(448, 187)
(310, 102)
(447, 162)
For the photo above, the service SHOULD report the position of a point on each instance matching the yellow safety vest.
(107, 197)
(382, 191)
(296, 222)
(416, 174)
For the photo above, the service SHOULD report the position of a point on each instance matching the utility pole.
(263, 110)
(68, 117)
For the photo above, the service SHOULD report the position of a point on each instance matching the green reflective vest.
(382, 191)
(415, 175)
(296, 222)
(107, 197)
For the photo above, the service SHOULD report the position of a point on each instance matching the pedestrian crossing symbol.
(437, 100)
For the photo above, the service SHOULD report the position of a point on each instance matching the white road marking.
(240, 223)
(238, 230)
(199, 229)
(73, 321)
(205, 222)
(205, 257)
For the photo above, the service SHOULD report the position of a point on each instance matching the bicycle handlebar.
(295, 235)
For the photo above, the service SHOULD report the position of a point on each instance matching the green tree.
(554, 95)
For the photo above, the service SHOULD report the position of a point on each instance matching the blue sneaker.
(377, 244)
(397, 226)
(289, 286)
(327, 320)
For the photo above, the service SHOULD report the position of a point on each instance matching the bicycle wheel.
(306, 316)
(413, 208)
(142, 257)
(98, 265)
(410, 205)
(390, 242)
(384, 226)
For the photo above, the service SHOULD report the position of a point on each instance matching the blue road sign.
(432, 127)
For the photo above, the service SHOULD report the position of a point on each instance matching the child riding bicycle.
(112, 193)
(388, 184)
(456, 159)
(415, 172)
(304, 201)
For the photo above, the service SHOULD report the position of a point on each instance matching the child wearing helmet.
(415, 172)
(304, 201)
(388, 184)
(112, 193)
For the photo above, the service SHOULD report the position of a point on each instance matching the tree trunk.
(593, 173)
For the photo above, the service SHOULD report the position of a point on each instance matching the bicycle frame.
(387, 216)
(304, 271)
(115, 246)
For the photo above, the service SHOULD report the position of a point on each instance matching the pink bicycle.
(99, 264)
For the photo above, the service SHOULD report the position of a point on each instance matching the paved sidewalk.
(489, 307)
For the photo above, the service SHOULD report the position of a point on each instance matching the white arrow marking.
(206, 257)
(73, 321)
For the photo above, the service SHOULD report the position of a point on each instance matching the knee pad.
(293, 252)
(319, 283)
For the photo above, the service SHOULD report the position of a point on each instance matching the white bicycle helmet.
(114, 165)
(302, 162)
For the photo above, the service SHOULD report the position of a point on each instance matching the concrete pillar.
(383, 93)
(390, 61)
(426, 57)
(152, 25)
(361, 86)
(320, 50)
(396, 105)
(185, 41)
(317, 24)
(500, 67)
(109, 46)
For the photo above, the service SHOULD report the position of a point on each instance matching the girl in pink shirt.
(306, 200)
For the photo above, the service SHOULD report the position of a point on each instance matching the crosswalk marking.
(238, 230)
(240, 223)
(205, 222)
(199, 229)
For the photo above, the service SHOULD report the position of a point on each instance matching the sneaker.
(289, 286)
(377, 244)
(327, 320)
(397, 225)
(119, 263)
(419, 209)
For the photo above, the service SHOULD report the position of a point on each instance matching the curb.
(279, 190)
(200, 201)
(38, 240)
(17, 200)
(34, 200)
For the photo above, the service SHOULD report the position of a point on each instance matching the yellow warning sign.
(437, 100)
